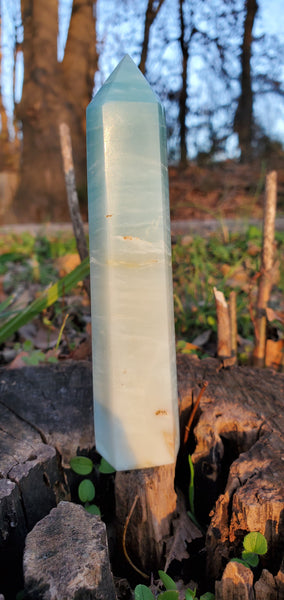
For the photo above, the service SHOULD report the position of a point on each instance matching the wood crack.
(26, 421)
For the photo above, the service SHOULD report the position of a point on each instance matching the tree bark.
(243, 123)
(41, 176)
(236, 583)
(237, 458)
(79, 65)
(8, 151)
(52, 93)
(151, 494)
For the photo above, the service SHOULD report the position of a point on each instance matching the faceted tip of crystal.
(125, 83)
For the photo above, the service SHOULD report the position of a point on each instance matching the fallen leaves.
(184, 532)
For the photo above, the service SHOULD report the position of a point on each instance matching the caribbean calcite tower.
(134, 361)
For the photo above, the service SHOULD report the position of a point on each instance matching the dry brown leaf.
(18, 362)
(83, 351)
(237, 277)
(184, 532)
(274, 315)
(189, 346)
(66, 264)
(42, 337)
(253, 249)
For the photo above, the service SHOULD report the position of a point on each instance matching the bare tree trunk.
(151, 14)
(243, 124)
(4, 133)
(78, 68)
(41, 177)
(183, 91)
(53, 93)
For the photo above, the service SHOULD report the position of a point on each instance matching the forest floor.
(218, 199)
(222, 190)
(200, 191)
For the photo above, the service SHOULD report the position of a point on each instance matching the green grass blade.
(47, 298)
(5, 304)
(191, 486)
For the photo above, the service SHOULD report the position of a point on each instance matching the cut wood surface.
(236, 441)
(52, 404)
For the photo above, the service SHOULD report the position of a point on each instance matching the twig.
(124, 538)
(233, 324)
(72, 197)
(188, 426)
(266, 272)
(223, 325)
(61, 331)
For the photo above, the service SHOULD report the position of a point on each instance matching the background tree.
(243, 123)
(184, 45)
(53, 92)
(151, 13)
(4, 146)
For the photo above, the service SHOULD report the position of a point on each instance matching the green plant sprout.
(255, 545)
(34, 357)
(191, 512)
(82, 465)
(142, 592)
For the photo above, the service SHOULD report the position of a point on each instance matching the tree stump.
(54, 402)
(145, 506)
(236, 443)
(46, 416)
(238, 457)
(66, 557)
(236, 583)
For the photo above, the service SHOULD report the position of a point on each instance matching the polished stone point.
(134, 359)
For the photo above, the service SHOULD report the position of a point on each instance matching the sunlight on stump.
(266, 271)
(134, 363)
